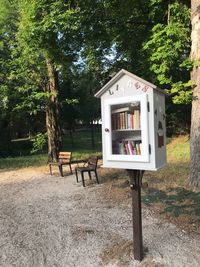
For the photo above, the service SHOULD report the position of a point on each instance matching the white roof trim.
(121, 73)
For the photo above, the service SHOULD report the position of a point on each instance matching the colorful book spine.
(125, 120)
(130, 147)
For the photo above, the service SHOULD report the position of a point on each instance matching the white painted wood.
(127, 88)
(160, 137)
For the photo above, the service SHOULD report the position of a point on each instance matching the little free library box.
(133, 123)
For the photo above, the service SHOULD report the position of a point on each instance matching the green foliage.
(87, 41)
(71, 101)
(7, 12)
(39, 142)
(182, 92)
(168, 51)
(49, 27)
(196, 63)
(89, 106)
(80, 146)
(45, 30)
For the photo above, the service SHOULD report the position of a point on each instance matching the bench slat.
(64, 158)
(65, 155)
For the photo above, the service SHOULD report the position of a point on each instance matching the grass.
(177, 170)
(80, 146)
(168, 192)
(23, 161)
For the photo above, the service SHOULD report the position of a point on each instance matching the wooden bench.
(64, 158)
(90, 166)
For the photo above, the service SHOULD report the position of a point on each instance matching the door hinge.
(148, 106)
(149, 149)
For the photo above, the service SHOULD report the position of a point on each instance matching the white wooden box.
(133, 123)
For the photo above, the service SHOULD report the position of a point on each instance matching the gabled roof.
(121, 73)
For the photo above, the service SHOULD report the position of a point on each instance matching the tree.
(195, 77)
(46, 34)
(89, 107)
(167, 51)
(8, 16)
(148, 38)
(60, 50)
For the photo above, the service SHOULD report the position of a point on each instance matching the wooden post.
(135, 185)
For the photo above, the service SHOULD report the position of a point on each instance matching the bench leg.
(89, 173)
(61, 170)
(83, 181)
(96, 176)
(50, 169)
(70, 168)
(76, 175)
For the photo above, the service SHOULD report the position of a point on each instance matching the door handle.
(107, 130)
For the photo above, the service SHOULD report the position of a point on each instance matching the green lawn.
(169, 192)
(177, 168)
(80, 146)
(23, 161)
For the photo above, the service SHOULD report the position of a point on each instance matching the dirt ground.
(52, 221)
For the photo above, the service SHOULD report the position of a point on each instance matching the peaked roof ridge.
(117, 76)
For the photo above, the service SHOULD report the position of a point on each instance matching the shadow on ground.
(177, 201)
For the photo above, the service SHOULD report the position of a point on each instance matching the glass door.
(126, 129)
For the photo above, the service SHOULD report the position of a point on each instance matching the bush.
(39, 143)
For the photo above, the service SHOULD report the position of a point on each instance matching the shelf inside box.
(128, 108)
(130, 139)
(126, 130)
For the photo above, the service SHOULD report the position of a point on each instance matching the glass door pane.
(126, 128)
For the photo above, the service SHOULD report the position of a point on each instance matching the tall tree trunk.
(195, 77)
(52, 113)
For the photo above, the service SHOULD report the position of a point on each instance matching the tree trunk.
(194, 178)
(52, 113)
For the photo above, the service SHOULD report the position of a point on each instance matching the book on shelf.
(129, 147)
(136, 119)
(125, 120)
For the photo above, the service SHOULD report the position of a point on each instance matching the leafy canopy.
(168, 52)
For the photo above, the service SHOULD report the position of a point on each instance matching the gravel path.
(52, 221)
